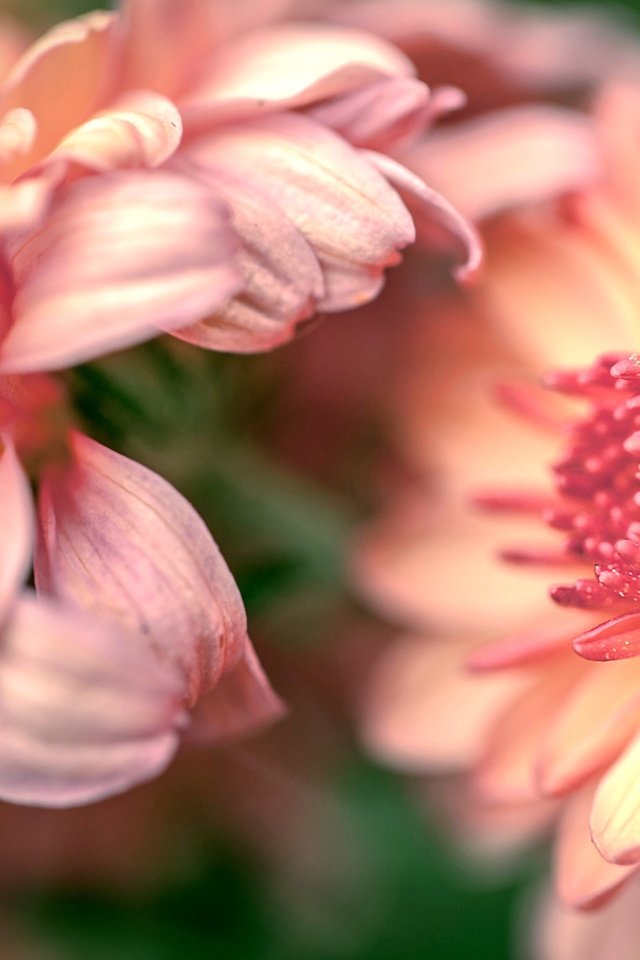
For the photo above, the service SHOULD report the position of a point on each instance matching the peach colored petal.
(583, 878)
(438, 225)
(572, 279)
(139, 130)
(282, 277)
(353, 220)
(424, 712)
(615, 818)
(84, 712)
(120, 541)
(119, 256)
(506, 771)
(410, 568)
(40, 81)
(242, 702)
(16, 523)
(516, 156)
(18, 130)
(598, 718)
(547, 636)
(292, 65)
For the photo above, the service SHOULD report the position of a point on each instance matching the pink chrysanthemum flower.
(136, 617)
(171, 168)
(488, 689)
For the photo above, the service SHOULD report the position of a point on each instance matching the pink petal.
(241, 703)
(354, 222)
(378, 115)
(118, 257)
(84, 712)
(439, 226)
(16, 523)
(140, 130)
(516, 156)
(615, 818)
(599, 717)
(120, 541)
(291, 65)
(282, 277)
(583, 878)
(615, 639)
(423, 712)
(60, 79)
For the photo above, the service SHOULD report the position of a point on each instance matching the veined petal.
(140, 130)
(584, 879)
(343, 207)
(383, 113)
(120, 541)
(438, 225)
(282, 277)
(16, 523)
(84, 712)
(615, 818)
(119, 257)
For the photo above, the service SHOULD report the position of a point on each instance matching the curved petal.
(84, 712)
(583, 878)
(16, 523)
(354, 222)
(599, 717)
(282, 277)
(118, 257)
(61, 79)
(439, 226)
(615, 818)
(290, 65)
(140, 130)
(119, 540)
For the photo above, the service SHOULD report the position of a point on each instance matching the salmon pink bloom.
(488, 688)
(164, 172)
(136, 618)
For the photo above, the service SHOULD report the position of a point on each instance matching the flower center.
(598, 483)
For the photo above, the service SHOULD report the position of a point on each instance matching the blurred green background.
(399, 893)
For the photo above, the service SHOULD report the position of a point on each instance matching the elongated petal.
(242, 702)
(600, 716)
(292, 65)
(615, 819)
(119, 540)
(380, 114)
(119, 257)
(140, 130)
(16, 523)
(517, 156)
(282, 277)
(418, 686)
(615, 639)
(343, 207)
(439, 226)
(584, 879)
(84, 712)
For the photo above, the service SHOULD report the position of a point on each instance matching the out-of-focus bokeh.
(295, 846)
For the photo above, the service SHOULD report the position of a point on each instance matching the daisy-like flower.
(489, 684)
(166, 168)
